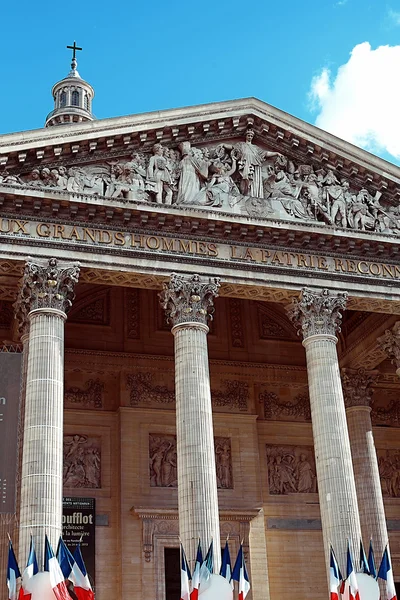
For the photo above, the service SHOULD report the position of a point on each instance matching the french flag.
(79, 577)
(371, 561)
(57, 581)
(65, 558)
(240, 575)
(12, 573)
(196, 573)
(185, 576)
(335, 576)
(364, 566)
(226, 568)
(385, 572)
(351, 577)
(207, 567)
(30, 570)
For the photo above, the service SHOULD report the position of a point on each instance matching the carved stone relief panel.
(145, 392)
(163, 461)
(82, 461)
(132, 313)
(272, 325)
(91, 395)
(92, 310)
(389, 471)
(234, 395)
(291, 469)
(239, 177)
(276, 409)
(386, 408)
(236, 323)
(223, 461)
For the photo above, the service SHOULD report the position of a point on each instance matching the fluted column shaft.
(42, 462)
(45, 295)
(188, 303)
(197, 481)
(366, 473)
(318, 316)
(336, 485)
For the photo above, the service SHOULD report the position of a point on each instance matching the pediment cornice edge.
(273, 126)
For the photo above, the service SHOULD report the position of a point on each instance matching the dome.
(72, 96)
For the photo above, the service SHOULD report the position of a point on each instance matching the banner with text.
(79, 516)
(10, 383)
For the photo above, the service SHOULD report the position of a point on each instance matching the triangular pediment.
(200, 159)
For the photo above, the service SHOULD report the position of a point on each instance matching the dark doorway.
(172, 574)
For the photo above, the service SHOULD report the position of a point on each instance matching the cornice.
(199, 124)
(197, 223)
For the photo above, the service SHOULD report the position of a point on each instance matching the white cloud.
(361, 101)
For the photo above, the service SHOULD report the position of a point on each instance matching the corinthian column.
(45, 295)
(188, 303)
(318, 315)
(357, 395)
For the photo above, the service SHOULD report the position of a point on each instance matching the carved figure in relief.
(91, 463)
(287, 190)
(220, 191)
(169, 466)
(82, 462)
(290, 470)
(223, 461)
(73, 444)
(163, 461)
(193, 173)
(305, 475)
(60, 177)
(389, 471)
(236, 177)
(163, 470)
(90, 180)
(250, 159)
(159, 177)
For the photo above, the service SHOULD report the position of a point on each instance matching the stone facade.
(234, 213)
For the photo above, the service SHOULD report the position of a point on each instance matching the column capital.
(318, 312)
(188, 299)
(390, 343)
(46, 284)
(357, 386)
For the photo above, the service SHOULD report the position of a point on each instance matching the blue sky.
(144, 56)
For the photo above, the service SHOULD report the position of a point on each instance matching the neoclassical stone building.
(271, 250)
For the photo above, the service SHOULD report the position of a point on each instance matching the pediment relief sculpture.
(240, 178)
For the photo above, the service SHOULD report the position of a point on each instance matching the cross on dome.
(74, 48)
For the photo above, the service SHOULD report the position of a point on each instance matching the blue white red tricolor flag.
(363, 560)
(13, 573)
(65, 558)
(385, 572)
(196, 573)
(351, 577)
(371, 561)
(207, 567)
(226, 567)
(30, 570)
(335, 576)
(185, 576)
(56, 575)
(240, 575)
(79, 577)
